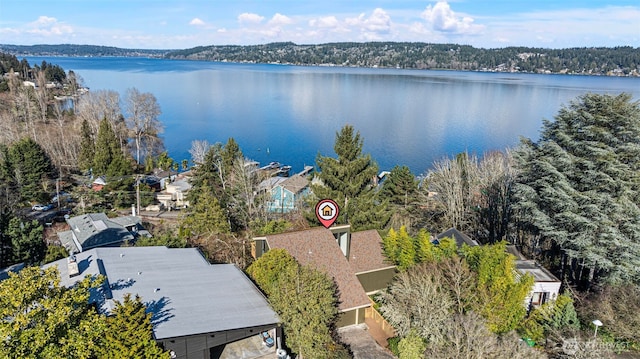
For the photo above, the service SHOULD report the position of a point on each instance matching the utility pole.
(138, 195)
(58, 190)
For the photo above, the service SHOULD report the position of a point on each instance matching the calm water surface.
(291, 113)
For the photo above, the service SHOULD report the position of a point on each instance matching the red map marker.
(327, 212)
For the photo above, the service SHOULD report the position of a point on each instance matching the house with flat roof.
(546, 286)
(97, 230)
(197, 308)
(354, 260)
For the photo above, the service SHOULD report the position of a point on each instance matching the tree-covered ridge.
(615, 61)
(78, 50)
(411, 55)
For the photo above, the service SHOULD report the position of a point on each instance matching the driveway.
(362, 343)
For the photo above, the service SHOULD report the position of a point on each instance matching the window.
(539, 298)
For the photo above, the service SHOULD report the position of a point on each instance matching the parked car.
(42, 207)
(64, 197)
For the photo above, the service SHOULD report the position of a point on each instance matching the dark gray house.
(197, 308)
(97, 230)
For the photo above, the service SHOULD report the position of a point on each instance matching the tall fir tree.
(87, 147)
(30, 168)
(27, 241)
(400, 187)
(350, 181)
(109, 159)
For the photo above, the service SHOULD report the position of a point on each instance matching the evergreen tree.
(579, 188)
(129, 332)
(30, 168)
(27, 241)
(407, 249)
(109, 159)
(348, 180)
(306, 302)
(87, 147)
(41, 319)
(501, 291)
(400, 187)
(206, 217)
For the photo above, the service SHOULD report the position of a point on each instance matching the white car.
(42, 207)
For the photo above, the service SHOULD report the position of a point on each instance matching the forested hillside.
(615, 61)
(592, 61)
(78, 50)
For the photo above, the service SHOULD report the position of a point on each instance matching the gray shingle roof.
(95, 230)
(458, 236)
(185, 294)
(295, 183)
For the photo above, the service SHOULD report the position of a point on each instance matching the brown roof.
(318, 248)
(366, 252)
(295, 183)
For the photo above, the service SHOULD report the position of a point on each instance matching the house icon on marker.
(327, 211)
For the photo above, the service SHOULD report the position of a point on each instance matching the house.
(175, 194)
(97, 230)
(354, 260)
(99, 183)
(196, 308)
(164, 177)
(152, 182)
(546, 286)
(286, 193)
(458, 236)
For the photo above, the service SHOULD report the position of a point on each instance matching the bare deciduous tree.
(142, 110)
(467, 336)
(416, 300)
(97, 105)
(199, 149)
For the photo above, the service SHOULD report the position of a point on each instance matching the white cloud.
(442, 18)
(280, 20)
(197, 22)
(48, 26)
(373, 27)
(249, 18)
(325, 22)
(379, 21)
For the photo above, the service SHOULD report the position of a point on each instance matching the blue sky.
(178, 24)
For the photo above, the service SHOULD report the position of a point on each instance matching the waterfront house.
(285, 192)
(196, 308)
(354, 260)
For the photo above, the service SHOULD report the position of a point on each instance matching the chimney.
(72, 266)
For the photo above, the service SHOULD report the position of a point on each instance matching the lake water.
(291, 113)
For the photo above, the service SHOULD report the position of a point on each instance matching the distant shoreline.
(621, 61)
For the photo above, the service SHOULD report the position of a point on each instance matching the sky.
(181, 24)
